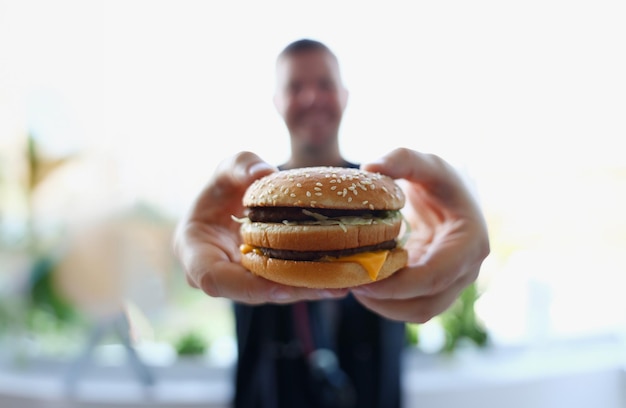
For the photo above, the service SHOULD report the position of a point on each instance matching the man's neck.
(297, 161)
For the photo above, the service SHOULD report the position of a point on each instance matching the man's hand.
(447, 244)
(207, 240)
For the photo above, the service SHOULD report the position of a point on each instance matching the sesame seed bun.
(325, 187)
(304, 223)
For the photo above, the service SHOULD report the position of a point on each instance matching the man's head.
(310, 96)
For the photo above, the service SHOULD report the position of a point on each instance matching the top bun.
(325, 187)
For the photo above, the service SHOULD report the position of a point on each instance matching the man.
(363, 326)
(311, 98)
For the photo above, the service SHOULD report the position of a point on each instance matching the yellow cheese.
(372, 262)
(245, 248)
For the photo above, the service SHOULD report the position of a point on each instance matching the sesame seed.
(371, 206)
(308, 194)
(298, 184)
(365, 202)
(333, 188)
(317, 189)
(292, 195)
(349, 199)
(333, 181)
(319, 184)
(319, 194)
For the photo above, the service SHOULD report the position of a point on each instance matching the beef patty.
(319, 255)
(280, 214)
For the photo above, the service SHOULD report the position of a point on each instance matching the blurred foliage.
(412, 334)
(39, 167)
(44, 298)
(191, 344)
(459, 323)
(34, 318)
(36, 307)
(7, 315)
(45, 303)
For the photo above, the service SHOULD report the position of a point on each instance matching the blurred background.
(114, 114)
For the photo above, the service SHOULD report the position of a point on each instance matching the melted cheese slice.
(245, 248)
(372, 262)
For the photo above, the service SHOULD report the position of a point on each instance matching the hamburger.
(323, 227)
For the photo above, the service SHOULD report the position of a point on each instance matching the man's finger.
(440, 267)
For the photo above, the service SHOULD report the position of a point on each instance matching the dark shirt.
(272, 368)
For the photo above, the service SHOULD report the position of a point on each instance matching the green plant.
(40, 305)
(43, 295)
(459, 324)
(191, 344)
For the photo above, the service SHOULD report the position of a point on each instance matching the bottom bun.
(320, 275)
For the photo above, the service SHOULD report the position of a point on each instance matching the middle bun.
(319, 237)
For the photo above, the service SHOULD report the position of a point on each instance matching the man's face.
(311, 98)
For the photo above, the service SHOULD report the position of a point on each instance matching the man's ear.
(343, 98)
(278, 103)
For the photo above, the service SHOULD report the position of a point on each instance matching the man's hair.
(305, 45)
